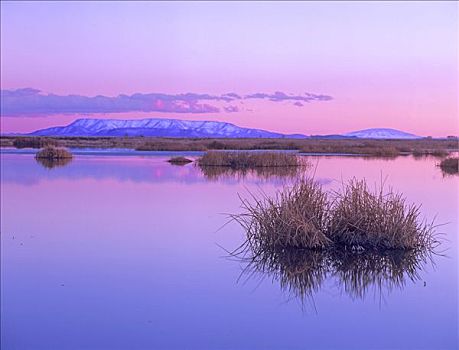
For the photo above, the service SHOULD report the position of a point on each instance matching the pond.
(128, 252)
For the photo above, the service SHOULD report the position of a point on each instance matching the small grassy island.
(53, 153)
(450, 166)
(306, 217)
(180, 160)
(249, 160)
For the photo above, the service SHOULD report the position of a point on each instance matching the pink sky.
(385, 64)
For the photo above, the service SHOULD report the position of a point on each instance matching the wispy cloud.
(33, 102)
(279, 96)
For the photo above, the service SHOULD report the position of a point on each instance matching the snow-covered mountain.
(188, 128)
(157, 127)
(381, 134)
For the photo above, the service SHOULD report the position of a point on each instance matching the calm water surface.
(124, 253)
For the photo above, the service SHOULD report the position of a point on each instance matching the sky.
(292, 67)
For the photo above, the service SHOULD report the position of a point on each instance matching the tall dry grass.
(52, 153)
(376, 219)
(305, 217)
(296, 217)
(248, 160)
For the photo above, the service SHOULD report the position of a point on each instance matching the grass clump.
(450, 165)
(249, 160)
(376, 220)
(296, 217)
(306, 217)
(53, 153)
(179, 160)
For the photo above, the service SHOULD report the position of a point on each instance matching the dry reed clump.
(179, 160)
(305, 217)
(296, 217)
(247, 160)
(53, 153)
(450, 166)
(376, 220)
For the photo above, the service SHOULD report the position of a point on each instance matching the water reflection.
(53, 163)
(218, 173)
(302, 273)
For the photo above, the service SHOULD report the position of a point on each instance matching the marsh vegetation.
(250, 160)
(304, 216)
(379, 148)
(51, 157)
(363, 239)
(53, 153)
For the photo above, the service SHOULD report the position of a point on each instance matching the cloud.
(231, 109)
(299, 104)
(279, 96)
(33, 102)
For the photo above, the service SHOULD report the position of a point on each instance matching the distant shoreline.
(315, 146)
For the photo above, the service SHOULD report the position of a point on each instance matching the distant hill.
(160, 127)
(381, 134)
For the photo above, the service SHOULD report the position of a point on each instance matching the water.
(125, 253)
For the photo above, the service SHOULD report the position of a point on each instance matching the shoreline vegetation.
(365, 147)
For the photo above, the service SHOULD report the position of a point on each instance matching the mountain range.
(186, 128)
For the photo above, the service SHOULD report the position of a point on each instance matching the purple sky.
(298, 67)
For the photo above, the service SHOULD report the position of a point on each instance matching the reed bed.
(33, 142)
(385, 148)
(450, 165)
(52, 153)
(180, 160)
(249, 160)
(306, 217)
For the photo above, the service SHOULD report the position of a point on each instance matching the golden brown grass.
(52, 153)
(376, 220)
(296, 217)
(249, 160)
(305, 217)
